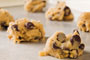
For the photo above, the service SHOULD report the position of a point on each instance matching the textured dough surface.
(84, 22)
(61, 46)
(5, 19)
(25, 30)
(35, 5)
(59, 13)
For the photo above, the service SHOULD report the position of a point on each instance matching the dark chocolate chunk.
(76, 31)
(83, 25)
(77, 51)
(55, 47)
(66, 49)
(86, 31)
(63, 41)
(82, 46)
(75, 38)
(29, 25)
(3, 25)
(61, 37)
(44, 1)
(67, 11)
(72, 41)
(19, 37)
(37, 38)
(15, 27)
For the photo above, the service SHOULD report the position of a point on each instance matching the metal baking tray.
(29, 51)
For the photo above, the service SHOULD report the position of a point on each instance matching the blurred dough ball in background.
(79, 5)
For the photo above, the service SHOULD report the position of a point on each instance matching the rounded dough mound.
(60, 13)
(5, 19)
(25, 30)
(84, 22)
(61, 46)
(35, 5)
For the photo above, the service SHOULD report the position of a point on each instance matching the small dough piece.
(5, 19)
(35, 5)
(25, 30)
(84, 22)
(59, 13)
(61, 46)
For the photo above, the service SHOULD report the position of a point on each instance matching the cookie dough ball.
(5, 19)
(25, 30)
(84, 22)
(60, 45)
(59, 13)
(35, 5)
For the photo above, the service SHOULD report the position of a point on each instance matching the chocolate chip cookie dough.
(84, 22)
(5, 19)
(61, 46)
(59, 13)
(25, 30)
(35, 5)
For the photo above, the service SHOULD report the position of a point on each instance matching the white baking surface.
(29, 51)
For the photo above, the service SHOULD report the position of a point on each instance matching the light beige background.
(29, 51)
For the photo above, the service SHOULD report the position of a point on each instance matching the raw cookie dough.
(59, 13)
(35, 5)
(25, 30)
(5, 19)
(84, 22)
(61, 46)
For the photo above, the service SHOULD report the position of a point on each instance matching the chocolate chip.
(3, 25)
(82, 46)
(44, 1)
(61, 37)
(72, 41)
(63, 41)
(37, 38)
(77, 51)
(83, 25)
(29, 25)
(67, 11)
(55, 47)
(86, 31)
(15, 27)
(19, 37)
(66, 49)
(75, 38)
(76, 31)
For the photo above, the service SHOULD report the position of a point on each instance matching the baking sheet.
(29, 51)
